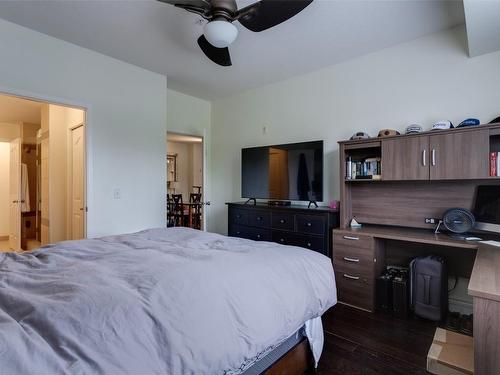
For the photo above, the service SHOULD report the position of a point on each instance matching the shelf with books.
(494, 155)
(363, 164)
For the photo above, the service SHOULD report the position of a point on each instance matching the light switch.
(117, 194)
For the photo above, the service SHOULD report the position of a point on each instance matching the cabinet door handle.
(423, 157)
(353, 260)
(351, 238)
(433, 157)
(351, 277)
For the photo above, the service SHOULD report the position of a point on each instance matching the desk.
(364, 249)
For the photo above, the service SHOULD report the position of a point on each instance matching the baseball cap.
(469, 122)
(495, 120)
(442, 125)
(414, 128)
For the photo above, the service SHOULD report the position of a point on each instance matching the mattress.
(161, 301)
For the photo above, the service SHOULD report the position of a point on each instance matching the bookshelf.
(421, 175)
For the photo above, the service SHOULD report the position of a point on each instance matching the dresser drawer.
(240, 217)
(260, 234)
(311, 243)
(353, 240)
(354, 289)
(284, 238)
(260, 219)
(240, 231)
(282, 220)
(312, 224)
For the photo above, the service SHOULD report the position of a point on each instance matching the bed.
(161, 301)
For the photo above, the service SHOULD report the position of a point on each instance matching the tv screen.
(283, 172)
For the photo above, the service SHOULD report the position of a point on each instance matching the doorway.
(42, 173)
(186, 199)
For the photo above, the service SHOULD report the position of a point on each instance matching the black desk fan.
(458, 221)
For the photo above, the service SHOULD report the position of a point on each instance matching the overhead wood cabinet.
(448, 156)
(455, 156)
(405, 159)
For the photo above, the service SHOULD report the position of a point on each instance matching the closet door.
(405, 158)
(461, 155)
(15, 195)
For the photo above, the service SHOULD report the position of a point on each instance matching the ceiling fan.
(219, 32)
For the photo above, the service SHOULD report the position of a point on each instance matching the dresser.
(295, 225)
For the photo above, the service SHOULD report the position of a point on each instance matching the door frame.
(204, 167)
(88, 113)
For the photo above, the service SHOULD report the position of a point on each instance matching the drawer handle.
(309, 224)
(282, 240)
(258, 236)
(238, 216)
(282, 221)
(353, 260)
(238, 232)
(308, 244)
(351, 277)
(259, 218)
(351, 238)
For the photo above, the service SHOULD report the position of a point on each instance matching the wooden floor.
(357, 342)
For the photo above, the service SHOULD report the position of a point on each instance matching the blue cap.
(469, 122)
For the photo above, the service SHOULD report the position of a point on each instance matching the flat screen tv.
(291, 171)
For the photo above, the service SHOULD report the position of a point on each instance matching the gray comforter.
(161, 301)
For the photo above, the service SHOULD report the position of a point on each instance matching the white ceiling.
(13, 109)
(162, 38)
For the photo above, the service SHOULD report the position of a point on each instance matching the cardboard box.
(451, 353)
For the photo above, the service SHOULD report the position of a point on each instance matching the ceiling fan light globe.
(220, 34)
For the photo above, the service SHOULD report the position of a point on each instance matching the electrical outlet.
(431, 220)
(117, 194)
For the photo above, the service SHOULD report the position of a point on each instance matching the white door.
(77, 184)
(15, 195)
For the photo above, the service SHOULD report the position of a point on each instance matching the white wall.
(422, 81)
(4, 188)
(126, 122)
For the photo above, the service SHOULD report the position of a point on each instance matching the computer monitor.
(487, 208)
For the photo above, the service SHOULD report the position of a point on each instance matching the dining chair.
(195, 210)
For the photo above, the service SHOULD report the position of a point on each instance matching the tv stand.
(314, 203)
(251, 199)
(295, 225)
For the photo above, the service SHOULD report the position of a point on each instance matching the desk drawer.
(358, 266)
(282, 220)
(354, 289)
(239, 217)
(312, 224)
(260, 219)
(353, 240)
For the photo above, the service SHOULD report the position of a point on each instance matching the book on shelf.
(366, 169)
(495, 164)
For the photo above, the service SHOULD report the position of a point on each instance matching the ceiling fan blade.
(217, 55)
(191, 3)
(268, 13)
